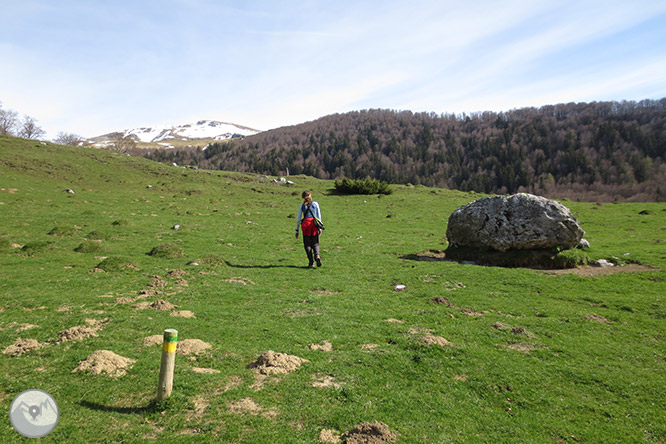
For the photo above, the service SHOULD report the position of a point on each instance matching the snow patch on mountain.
(203, 129)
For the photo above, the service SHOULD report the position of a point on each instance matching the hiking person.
(308, 211)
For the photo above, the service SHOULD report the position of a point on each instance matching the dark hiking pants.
(311, 244)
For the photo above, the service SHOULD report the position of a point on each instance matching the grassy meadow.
(529, 356)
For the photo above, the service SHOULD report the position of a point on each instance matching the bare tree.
(123, 144)
(29, 129)
(8, 121)
(67, 139)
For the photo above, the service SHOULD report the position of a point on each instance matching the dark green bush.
(362, 186)
(166, 250)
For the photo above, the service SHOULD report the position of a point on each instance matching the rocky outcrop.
(518, 222)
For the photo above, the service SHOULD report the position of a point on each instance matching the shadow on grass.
(152, 407)
(229, 264)
(430, 255)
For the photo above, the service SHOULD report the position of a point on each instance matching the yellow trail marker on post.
(168, 364)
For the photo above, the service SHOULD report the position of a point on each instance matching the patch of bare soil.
(597, 318)
(470, 312)
(97, 270)
(234, 381)
(320, 380)
(78, 333)
(129, 299)
(522, 347)
(21, 346)
(153, 340)
(441, 300)
(157, 305)
(395, 321)
(435, 340)
(183, 314)
(329, 436)
(238, 280)
(369, 346)
(105, 361)
(461, 378)
(19, 327)
(419, 331)
(515, 330)
(259, 382)
(247, 405)
(322, 346)
(157, 282)
(200, 405)
(324, 292)
(181, 283)
(521, 331)
(270, 363)
(205, 371)
(370, 433)
(149, 292)
(588, 271)
(176, 273)
(192, 347)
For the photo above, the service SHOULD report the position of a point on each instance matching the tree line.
(590, 151)
(27, 128)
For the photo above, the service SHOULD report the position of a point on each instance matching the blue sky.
(90, 66)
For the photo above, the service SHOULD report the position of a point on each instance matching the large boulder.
(518, 222)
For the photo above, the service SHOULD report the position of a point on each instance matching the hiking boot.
(318, 261)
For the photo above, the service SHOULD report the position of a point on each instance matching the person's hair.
(307, 197)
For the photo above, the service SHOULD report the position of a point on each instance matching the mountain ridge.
(592, 151)
(163, 135)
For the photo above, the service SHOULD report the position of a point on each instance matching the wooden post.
(165, 383)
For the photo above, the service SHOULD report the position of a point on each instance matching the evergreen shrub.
(362, 186)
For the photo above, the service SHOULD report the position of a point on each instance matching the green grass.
(580, 359)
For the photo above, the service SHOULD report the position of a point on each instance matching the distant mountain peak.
(161, 134)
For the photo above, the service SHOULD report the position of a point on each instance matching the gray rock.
(518, 222)
(583, 244)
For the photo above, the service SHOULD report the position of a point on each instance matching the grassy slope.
(582, 381)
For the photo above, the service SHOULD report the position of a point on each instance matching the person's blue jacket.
(313, 212)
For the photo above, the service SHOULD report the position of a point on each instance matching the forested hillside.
(590, 151)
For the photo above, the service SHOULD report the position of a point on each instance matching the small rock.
(602, 263)
(399, 287)
(176, 227)
(70, 191)
(583, 244)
